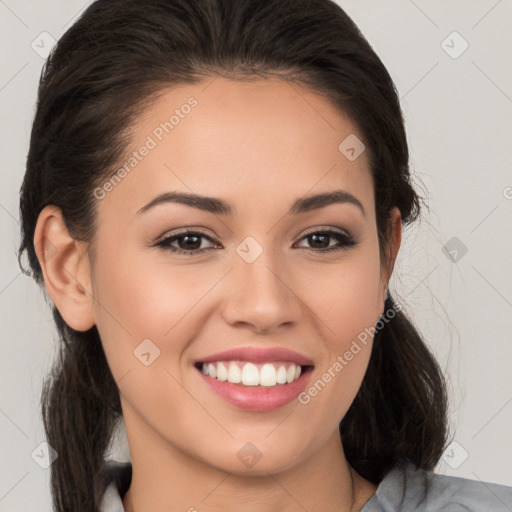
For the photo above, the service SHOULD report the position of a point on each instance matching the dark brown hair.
(101, 75)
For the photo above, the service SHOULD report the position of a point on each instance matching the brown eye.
(187, 242)
(191, 242)
(321, 240)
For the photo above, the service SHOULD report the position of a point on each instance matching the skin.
(259, 146)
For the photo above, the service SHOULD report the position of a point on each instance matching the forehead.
(230, 138)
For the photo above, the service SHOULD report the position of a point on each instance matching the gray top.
(403, 489)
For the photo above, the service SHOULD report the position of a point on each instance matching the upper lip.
(258, 355)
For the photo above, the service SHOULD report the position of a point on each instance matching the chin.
(255, 459)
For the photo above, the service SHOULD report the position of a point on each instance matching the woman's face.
(257, 278)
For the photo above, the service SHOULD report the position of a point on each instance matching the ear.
(395, 239)
(66, 269)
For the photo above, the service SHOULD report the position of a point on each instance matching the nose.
(262, 296)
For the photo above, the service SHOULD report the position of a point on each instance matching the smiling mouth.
(246, 373)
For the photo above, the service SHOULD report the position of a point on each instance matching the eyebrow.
(221, 207)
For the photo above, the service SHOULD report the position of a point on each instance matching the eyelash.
(345, 240)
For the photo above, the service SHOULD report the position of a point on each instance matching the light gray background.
(458, 115)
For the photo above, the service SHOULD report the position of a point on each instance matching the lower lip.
(257, 398)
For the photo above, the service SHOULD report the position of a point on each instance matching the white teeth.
(222, 372)
(234, 374)
(268, 375)
(281, 375)
(249, 374)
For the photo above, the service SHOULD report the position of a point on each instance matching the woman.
(214, 198)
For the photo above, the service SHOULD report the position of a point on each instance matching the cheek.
(147, 300)
(346, 300)
(149, 312)
(346, 296)
(145, 317)
(133, 304)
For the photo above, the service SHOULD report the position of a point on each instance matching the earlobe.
(66, 269)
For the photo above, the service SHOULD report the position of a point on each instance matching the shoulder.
(407, 487)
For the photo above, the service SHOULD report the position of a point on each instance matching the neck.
(164, 478)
